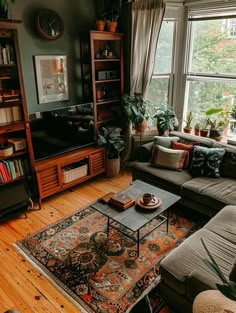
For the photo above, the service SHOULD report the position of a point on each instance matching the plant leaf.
(226, 291)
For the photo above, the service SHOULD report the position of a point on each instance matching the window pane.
(213, 47)
(158, 90)
(163, 61)
(205, 95)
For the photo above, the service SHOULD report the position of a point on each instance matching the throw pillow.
(181, 146)
(164, 141)
(168, 158)
(206, 161)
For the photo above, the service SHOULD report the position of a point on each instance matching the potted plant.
(113, 141)
(136, 110)
(166, 120)
(114, 13)
(188, 122)
(4, 4)
(204, 126)
(197, 129)
(219, 123)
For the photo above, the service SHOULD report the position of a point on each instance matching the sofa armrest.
(197, 282)
(145, 152)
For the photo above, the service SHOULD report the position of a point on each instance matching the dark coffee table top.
(135, 217)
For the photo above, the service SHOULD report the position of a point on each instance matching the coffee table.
(130, 221)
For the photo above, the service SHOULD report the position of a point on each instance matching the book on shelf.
(3, 115)
(122, 201)
(10, 114)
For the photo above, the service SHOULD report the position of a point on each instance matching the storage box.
(74, 171)
(18, 143)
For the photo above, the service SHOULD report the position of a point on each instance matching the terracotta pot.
(142, 127)
(100, 25)
(187, 130)
(113, 167)
(204, 132)
(112, 26)
(196, 132)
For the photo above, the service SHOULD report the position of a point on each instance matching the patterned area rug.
(101, 274)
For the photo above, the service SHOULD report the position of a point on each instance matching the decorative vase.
(113, 167)
(188, 130)
(213, 301)
(141, 127)
(100, 25)
(112, 27)
(204, 132)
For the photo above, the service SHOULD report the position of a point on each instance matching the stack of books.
(122, 201)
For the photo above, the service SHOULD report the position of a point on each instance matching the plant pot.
(100, 25)
(113, 167)
(141, 127)
(3, 12)
(204, 132)
(216, 134)
(112, 27)
(188, 130)
(196, 132)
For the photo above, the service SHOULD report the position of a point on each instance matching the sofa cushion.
(164, 141)
(215, 193)
(224, 223)
(186, 258)
(206, 161)
(228, 166)
(168, 158)
(181, 146)
(163, 178)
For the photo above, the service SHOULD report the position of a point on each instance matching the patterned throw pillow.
(168, 158)
(182, 146)
(206, 161)
(164, 141)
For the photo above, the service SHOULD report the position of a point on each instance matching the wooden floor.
(21, 286)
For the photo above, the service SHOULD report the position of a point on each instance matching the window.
(211, 70)
(160, 89)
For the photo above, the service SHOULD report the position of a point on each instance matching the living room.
(26, 285)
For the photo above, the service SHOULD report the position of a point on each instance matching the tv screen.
(60, 130)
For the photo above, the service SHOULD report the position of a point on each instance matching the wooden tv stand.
(68, 169)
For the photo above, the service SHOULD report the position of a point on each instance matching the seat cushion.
(213, 192)
(186, 258)
(224, 223)
(163, 178)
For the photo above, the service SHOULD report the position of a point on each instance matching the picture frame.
(52, 78)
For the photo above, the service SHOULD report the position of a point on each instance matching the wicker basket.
(74, 171)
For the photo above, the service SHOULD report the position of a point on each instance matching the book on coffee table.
(122, 201)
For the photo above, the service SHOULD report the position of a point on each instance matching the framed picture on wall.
(52, 78)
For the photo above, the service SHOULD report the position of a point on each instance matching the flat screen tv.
(61, 130)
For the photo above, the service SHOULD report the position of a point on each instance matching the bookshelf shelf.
(107, 81)
(13, 155)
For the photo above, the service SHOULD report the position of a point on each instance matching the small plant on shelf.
(188, 122)
(4, 5)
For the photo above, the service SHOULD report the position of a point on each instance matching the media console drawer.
(61, 172)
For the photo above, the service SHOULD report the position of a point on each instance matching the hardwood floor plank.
(20, 283)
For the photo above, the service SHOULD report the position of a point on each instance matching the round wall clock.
(49, 24)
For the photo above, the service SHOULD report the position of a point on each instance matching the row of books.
(7, 54)
(10, 114)
(12, 169)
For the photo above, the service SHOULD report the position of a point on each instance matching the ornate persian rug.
(101, 274)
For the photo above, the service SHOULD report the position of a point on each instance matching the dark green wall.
(78, 16)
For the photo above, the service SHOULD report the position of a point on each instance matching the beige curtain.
(147, 16)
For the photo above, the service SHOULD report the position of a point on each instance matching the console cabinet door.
(97, 162)
(48, 181)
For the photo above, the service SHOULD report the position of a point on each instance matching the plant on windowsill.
(4, 5)
(166, 120)
(113, 141)
(188, 122)
(197, 129)
(219, 123)
(137, 110)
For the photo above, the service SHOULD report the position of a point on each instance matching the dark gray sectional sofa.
(183, 273)
(205, 194)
